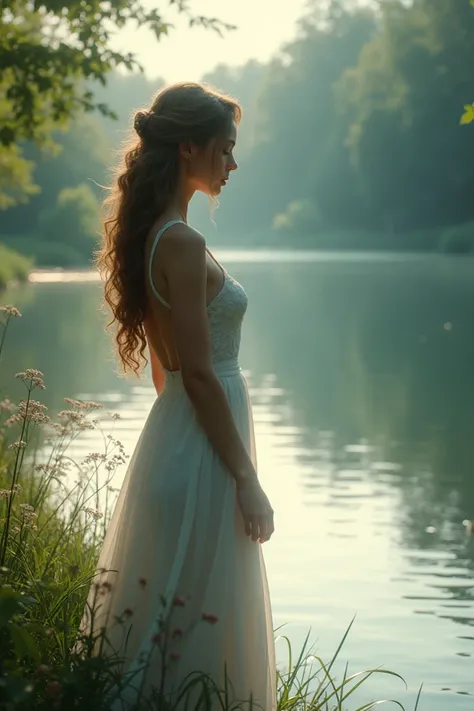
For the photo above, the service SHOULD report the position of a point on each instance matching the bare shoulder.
(183, 242)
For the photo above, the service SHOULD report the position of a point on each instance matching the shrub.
(13, 266)
(73, 221)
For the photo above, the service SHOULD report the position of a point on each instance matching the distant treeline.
(350, 139)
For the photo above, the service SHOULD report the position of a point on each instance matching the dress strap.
(152, 254)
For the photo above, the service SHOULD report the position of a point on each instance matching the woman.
(182, 544)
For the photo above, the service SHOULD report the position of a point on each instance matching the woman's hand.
(256, 511)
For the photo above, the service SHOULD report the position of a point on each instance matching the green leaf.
(468, 115)
(23, 642)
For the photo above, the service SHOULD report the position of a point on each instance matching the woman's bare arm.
(184, 263)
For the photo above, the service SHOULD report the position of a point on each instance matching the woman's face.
(209, 168)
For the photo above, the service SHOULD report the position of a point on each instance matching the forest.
(352, 138)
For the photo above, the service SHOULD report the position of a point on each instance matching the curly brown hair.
(145, 182)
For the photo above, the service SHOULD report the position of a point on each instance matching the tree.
(414, 164)
(81, 154)
(73, 221)
(48, 48)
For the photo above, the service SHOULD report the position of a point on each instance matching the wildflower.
(128, 612)
(29, 514)
(91, 405)
(32, 378)
(16, 489)
(6, 405)
(20, 444)
(177, 633)
(52, 469)
(72, 416)
(10, 311)
(142, 582)
(106, 586)
(33, 411)
(94, 513)
(157, 638)
(179, 601)
(95, 457)
(211, 619)
(5, 493)
(83, 404)
(175, 656)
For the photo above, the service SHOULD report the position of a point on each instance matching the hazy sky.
(262, 26)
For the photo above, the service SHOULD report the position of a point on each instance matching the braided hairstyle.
(146, 181)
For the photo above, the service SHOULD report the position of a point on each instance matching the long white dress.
(177, 544)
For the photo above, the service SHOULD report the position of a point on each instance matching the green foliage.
(13, 266)
(16, 177)
(73, 221)
(47, 52)
(47, 49)
(45, 254)
(468, 115)
(360, 116)
(351, 131)
(299, 216)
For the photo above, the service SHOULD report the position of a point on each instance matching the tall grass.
(51, 531)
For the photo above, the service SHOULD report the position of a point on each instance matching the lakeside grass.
(50, 535)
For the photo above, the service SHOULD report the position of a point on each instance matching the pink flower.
(179, 601)
(157, 638)
(212, 619)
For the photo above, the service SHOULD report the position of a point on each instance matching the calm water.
(362, 377)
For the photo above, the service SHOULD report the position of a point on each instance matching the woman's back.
(225, 299)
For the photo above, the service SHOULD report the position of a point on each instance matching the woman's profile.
(183, 541)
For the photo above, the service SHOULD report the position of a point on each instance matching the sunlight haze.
(188, 53)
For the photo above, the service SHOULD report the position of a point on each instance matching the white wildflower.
(94, 513)
(32, 411)
(95, 457)
(20, 444)
(32, 378)
(6, 405)
(26, 507)
(10, 311)
(83, 404)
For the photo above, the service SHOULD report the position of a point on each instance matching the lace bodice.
(226, 312)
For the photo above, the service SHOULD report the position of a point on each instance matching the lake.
(361, 369)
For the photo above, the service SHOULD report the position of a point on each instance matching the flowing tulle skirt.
(176, 549)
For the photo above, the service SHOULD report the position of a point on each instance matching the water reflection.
(361, 378)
